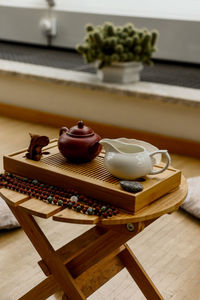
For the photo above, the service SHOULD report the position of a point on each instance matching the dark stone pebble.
(131, 186)
(141, 179)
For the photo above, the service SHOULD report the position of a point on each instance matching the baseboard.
(172, 144)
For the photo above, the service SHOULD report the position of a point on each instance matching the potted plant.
(119, 52)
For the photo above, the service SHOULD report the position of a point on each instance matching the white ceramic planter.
(122, 72)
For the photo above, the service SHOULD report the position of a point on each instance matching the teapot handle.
(62, 130)
(165, 152)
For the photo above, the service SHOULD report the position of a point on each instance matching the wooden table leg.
(107, 248)
(139, 275)
(48, 254)
(68, 276)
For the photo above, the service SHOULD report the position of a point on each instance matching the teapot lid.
(80, 130)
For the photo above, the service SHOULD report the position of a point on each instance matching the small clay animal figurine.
(36, 145)
(79, 143)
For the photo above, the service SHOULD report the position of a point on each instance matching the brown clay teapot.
(79, 143)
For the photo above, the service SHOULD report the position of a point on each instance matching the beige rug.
(192, 201)
(7, 219)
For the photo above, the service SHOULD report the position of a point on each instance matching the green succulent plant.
(108, 44)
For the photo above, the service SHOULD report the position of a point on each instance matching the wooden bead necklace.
(65, 197)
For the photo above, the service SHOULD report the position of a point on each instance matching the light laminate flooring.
(168, 249)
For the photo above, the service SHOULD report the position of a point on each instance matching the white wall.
(171, 9)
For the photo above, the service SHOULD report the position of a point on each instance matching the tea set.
(124, 158)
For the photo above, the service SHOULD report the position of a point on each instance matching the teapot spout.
(109, 145)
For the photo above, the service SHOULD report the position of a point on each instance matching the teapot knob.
(80, 124)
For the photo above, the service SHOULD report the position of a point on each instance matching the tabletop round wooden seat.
(166, 204)
(86, 263)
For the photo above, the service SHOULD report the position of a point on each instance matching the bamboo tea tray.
(91, 179)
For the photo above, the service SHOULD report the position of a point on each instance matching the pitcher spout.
(109, 145)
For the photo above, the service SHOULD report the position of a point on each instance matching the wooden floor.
(169, 249)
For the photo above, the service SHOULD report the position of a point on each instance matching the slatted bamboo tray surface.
(91, 179)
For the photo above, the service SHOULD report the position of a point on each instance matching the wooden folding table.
(80, 267)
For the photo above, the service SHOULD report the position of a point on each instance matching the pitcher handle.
(165, 152)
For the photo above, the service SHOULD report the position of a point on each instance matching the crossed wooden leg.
(80, 267)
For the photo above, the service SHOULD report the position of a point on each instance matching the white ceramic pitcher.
(130, 161)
